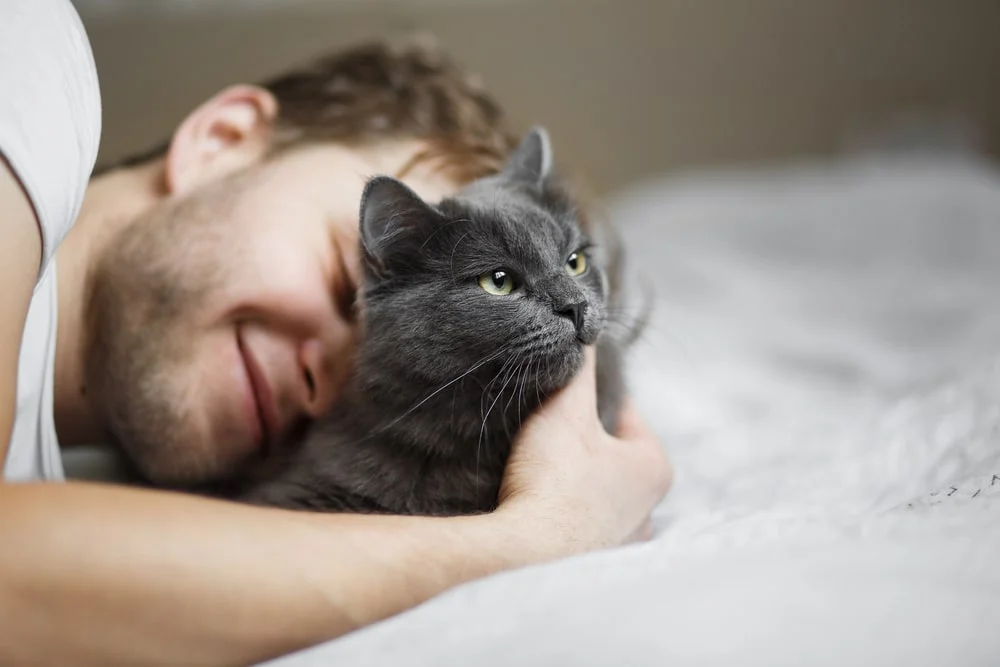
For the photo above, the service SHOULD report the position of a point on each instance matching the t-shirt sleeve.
(50, 110)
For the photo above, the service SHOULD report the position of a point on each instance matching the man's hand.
(571, 481)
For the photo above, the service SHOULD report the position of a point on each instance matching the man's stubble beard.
(142, 292)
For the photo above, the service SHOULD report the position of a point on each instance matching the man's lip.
(261, 393)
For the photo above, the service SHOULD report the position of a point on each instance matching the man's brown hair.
(381, 91)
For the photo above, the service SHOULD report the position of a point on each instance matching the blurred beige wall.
(627, 87)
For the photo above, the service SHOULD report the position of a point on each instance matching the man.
(227, 255)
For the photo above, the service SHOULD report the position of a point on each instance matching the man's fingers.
(631, 425)
(632, 428)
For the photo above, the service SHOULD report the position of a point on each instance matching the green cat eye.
(576, 264)
(497, 282)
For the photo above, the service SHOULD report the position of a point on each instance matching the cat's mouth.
(552, 363)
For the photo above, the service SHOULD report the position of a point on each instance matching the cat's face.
(498, 282)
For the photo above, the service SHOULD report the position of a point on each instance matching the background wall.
(627, 87)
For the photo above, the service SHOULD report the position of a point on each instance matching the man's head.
(219, 314)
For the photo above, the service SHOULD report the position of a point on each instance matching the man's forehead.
(401, 158)
(430, 184)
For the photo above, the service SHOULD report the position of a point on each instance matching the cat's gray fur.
(447, 372)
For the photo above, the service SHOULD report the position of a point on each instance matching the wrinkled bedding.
(823, 365)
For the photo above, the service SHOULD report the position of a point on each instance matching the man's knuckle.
(663, 475)
(657, 467)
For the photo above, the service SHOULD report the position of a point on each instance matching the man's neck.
(112, 201)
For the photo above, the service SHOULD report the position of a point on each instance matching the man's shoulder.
(50, 111)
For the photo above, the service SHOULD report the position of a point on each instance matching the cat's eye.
(497, 282)
(576, 264)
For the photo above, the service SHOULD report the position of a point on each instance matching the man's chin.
(182, 469)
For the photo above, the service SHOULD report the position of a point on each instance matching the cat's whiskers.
(508, 365)
(482, 430)
(520, 369)
(482, 415)
(538, 399)
(529, 363)
(524, 383)
(513, 394)
(485, 360)
(484, 396)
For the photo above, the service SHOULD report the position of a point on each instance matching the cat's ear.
(389, 208)
(531, 161)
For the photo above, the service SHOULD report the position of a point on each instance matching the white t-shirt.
(50, 126)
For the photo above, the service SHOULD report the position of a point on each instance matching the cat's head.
(501, 273)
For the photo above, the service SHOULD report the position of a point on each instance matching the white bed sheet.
(824, 367)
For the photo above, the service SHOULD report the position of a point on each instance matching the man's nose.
(325, 366)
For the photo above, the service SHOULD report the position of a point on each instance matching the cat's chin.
(558, 369)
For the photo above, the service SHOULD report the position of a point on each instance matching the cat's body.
(452, 361)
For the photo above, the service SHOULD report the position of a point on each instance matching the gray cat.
(474, 310)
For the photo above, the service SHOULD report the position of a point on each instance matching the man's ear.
(389, 208)
(226, 133)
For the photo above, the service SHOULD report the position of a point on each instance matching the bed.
(823, 365)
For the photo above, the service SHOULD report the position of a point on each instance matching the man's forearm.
(105, 575)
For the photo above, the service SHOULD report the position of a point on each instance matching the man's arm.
(100, 575)
(103, 575)
(20, 255)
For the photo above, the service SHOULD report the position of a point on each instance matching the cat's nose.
(574, 312)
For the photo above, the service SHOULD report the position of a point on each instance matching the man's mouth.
(262, 396)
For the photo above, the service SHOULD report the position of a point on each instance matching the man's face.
(220, 320)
